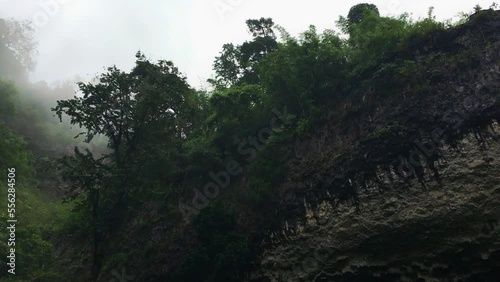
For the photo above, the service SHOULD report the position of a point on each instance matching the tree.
(302, 71)
(17, 48)
(262, 27)
(126, 107)
(89, 178)
(8, 97)
(251, 54)
(357, 12)
(235, 113)
(237, 64)
(227, 67)
(145, 114)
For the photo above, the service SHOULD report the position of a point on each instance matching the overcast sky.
(81, 37)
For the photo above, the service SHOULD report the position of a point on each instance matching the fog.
(137, 154)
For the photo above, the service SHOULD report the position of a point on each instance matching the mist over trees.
(30, 137)
(159, 139)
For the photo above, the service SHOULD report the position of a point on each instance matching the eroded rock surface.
(448, 232)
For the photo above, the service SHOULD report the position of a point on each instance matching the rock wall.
(448, 232)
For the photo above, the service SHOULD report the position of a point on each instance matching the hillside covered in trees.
(137, 176)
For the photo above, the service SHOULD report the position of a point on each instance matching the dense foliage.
(166, 139)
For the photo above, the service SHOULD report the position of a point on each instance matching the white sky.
(82, 37)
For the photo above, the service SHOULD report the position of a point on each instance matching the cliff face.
(449, 230)
(403, 189)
